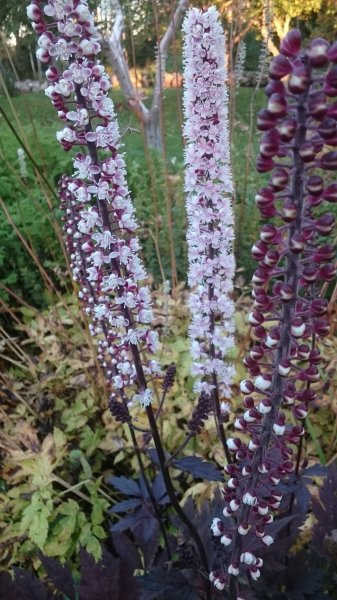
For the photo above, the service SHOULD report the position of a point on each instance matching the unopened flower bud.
(248, 558)
(226, 540)
(249, 499)
(255, 573)
(318, 52)
(291, 43)
(299, 80)
(233, 570)
(279, 67)
(263, 382)
(267, 540)
(243, 529)
(233, 444)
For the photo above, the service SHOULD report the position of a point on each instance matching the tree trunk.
(152, 130)
(149, 117)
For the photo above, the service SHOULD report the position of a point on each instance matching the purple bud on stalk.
(280, 66)
(293, 264)
(291, 43)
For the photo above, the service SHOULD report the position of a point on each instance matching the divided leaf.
(161, 584)
(199, 468)
(325, 512)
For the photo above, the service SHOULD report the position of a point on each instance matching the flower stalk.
(208, 185)
(289, 313)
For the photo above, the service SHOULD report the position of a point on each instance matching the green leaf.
(94, 547)
(97, 513)
(86, 467)
(59, 438)
(99, 532)
(90, 439)
(34, 520)
(70, 508)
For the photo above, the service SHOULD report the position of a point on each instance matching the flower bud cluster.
(208, 184)
(99, 221)
(200, 413)
(294, 260)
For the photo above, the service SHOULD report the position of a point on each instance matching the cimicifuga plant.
(294, 261)
(100, 230)
(289, 313)
(208, 184)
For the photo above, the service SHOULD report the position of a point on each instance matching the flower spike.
(99, 222)
(209, 187)
(289, 314)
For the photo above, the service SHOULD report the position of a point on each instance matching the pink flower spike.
(209, 187)
(99, 218)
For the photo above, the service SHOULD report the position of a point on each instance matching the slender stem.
(300, 448)
(217, 416)
(181, 447)
(171, 492)
(161, 404)
(164, 468)
(149, 491)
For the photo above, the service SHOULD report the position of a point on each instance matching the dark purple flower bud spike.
(294, 260)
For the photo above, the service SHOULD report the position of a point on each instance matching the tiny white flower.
(225, 408)
(144, 397)
(101, 311)
(66, 134)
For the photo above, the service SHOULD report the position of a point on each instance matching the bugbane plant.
(294, 259)
(100, 228)
(208, 185)
(289, 313)
(100, 224)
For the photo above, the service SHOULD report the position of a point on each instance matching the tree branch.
(120, 66)
(163, 48)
